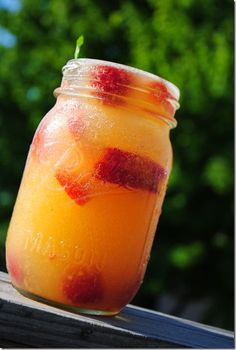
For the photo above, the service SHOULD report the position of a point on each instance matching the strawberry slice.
(110, 81)
(75, 188)
(83, 285)
(76, 126)
(162, 94)
(14, 269)
(52, 136)
(76, 120)
(38, 139)
(129, 170)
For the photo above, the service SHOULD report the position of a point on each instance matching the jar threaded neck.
(119, 85)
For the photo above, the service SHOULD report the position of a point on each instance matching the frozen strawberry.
(38, 139)
(14, 269)
(76, 119)
(75, 188)
(161, 94)
(40, 147)
(111, 83)
(83, 285)
(52, 137)
(161, 91)
(76, 126)
(129, 170)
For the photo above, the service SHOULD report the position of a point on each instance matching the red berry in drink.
(83, 285)
(38, 139)
(162, 95)
(14, 269)
(129, 170)
(76, 127)
(111, 83)
(76, 120)
(76, 189)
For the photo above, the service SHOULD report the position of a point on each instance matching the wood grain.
(28, 323)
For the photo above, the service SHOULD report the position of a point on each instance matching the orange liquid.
(90, 255)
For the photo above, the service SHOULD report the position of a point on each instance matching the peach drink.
(92, 189)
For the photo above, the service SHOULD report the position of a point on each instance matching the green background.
(188, 42)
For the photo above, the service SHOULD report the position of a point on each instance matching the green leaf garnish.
(79, 43)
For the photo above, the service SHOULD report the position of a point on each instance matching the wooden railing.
(27, 323)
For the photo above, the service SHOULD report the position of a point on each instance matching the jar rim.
(109, 81)
(172, 87)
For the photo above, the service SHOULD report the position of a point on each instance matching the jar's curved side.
(156, 213)
(102, 171)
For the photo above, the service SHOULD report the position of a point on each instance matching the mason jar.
(92, 189)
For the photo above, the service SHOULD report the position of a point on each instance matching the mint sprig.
(79, 43)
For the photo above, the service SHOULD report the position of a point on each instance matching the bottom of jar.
(74, 309)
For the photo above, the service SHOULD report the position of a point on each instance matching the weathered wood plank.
(34, 324)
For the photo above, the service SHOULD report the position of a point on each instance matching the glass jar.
(92, 190)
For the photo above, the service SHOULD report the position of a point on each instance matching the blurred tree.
(187, 42)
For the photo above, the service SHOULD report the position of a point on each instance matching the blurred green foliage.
(187, 42)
